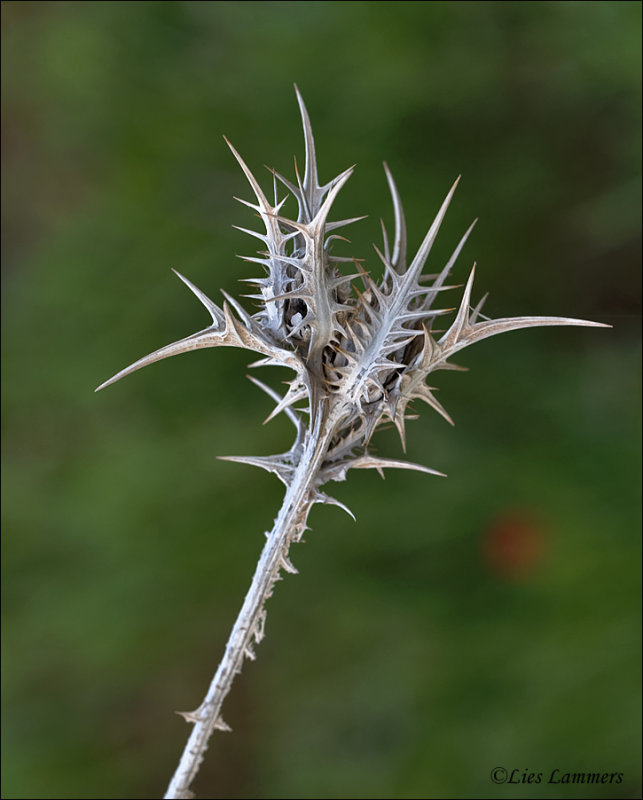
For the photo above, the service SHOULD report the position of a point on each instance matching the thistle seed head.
(361, 349)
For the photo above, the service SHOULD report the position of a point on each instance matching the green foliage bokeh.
(489, 619)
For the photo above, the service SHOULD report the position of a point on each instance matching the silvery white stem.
(289, 525)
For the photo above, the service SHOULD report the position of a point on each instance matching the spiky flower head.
(361, 349)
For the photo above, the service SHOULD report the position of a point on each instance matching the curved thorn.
(398, 259)
(209, 337)
(425, 248)
(215, 312)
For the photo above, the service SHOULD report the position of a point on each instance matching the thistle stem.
(288, 527)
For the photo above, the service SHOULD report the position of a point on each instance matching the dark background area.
(488, 619)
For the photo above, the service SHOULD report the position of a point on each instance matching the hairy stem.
(289, 526)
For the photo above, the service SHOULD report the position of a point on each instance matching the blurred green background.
(489, 619)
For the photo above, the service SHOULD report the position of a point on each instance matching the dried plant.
(360, 357)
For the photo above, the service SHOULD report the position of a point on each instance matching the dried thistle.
(359, 357)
